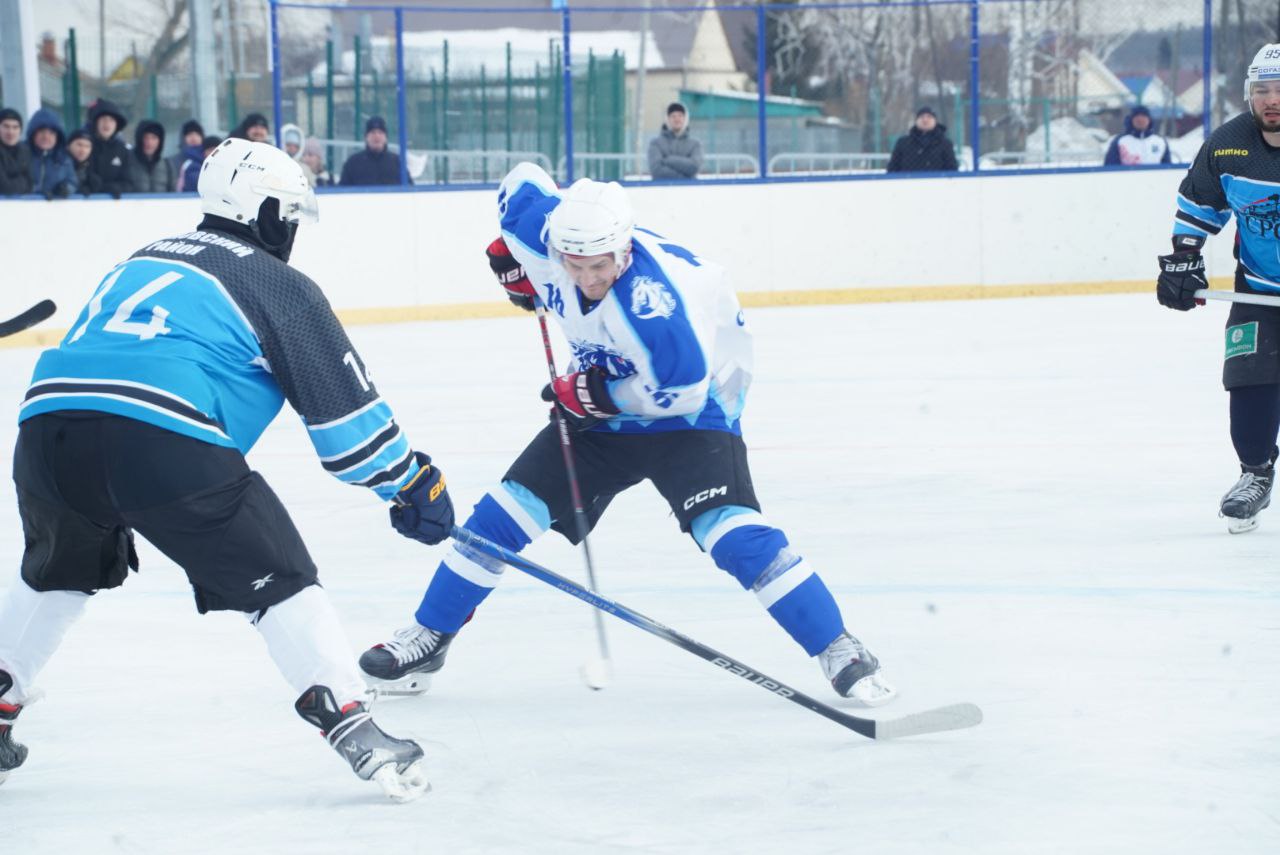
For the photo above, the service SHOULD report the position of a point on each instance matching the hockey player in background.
(662, 360)
(139, 421)
(1237, 170)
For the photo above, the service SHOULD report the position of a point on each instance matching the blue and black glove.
(422, 509)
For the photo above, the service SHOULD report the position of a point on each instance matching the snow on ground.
(1014, 501)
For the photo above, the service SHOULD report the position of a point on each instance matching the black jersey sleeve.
(1202, 204)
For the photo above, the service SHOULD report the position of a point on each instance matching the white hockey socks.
(310, 647)
(32, 625)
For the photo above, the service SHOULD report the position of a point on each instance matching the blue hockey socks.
(743, 544)
(510, 516)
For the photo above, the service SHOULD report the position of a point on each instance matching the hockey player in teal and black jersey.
(1238, 172)
(140, 419)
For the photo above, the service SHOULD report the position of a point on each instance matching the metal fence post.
(355, 83)
(328, 99)
(975, 81)
(276, 73)
(1206, 78)
(444, 111)
(762, 78)
(401, 110)
(568, 101)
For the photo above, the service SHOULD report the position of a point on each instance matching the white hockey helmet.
(239, 175)
(1265, 67)
(593, 218)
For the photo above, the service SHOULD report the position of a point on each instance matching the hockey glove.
(582, 398)
(511, 275)
(422, 509)
(1181, 273)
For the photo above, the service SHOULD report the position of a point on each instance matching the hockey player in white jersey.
(140, 419)
(662, 360)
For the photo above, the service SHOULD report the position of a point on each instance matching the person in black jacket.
(148, 169)
(53, 172)
(109, 162)
(374, 165)
(15, 157)
(925, 148)
(80, 148)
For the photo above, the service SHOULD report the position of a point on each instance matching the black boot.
(404, 665)
(1250, 495)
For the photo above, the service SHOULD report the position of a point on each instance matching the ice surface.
(1014, 501)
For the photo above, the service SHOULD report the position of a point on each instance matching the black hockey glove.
(1181, 274)
(510, 275)
(582, 398)
(422, 509)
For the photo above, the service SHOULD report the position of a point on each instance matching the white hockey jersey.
(670, 332)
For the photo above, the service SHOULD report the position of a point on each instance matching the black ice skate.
(12, 754)
(854, 672)
(404, 665)
(394, 764)
(1250, 495)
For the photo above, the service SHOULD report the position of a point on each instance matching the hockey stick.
(952, 717)
(41, 311)
(1237, 297)
(597, 672)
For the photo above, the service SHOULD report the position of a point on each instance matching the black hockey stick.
(952, 717)
(41, 311)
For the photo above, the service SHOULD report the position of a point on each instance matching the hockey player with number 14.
(139, 421)
(1238, 171)
(662, 360)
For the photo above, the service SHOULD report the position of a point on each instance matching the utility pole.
(18, 56)
(204, 68)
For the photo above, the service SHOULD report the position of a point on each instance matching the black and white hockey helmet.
(1265, 68)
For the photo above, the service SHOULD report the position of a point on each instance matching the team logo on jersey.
(651, 299)
(591, 355)
(1261, 217)
(1231, 152)
(662, 397)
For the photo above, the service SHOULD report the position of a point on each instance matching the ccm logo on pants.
(704, 495)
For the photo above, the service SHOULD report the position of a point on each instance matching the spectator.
(109, 162)
(1139, 144)
(148, 169)
(374, 165)
(673, 154)
(53, 172)
(80, 146)
(255, 128)
(925, 148)
(193, 155)
(291, 141)
(15, 158)
(313, 165)
(190, 146)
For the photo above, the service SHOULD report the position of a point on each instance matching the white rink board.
(1013, 500)
(395, 249)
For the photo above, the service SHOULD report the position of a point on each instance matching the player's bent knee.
(742, 543)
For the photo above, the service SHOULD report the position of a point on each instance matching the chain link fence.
(779, 89)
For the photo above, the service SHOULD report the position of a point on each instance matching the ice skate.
(854, 672)
(404, 665)
(395, 764)
(11, 753)
(1250, 495)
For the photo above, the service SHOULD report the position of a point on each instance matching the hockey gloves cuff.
(422, 509)
(582, 398)
(510, 275)
(1181, 274)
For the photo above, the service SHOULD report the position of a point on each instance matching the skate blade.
(872, 691)
(406, 687)
(3, 776)
(403, 786)
(1239, 526)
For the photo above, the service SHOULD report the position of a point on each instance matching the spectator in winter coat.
(254, 128)
(193, 154)
(925, 148)
(291, 141)
(1139, 144)
(109, 162)
(149, 171)
(673, 154)
(53, 172)
(15, 158)
(375, 165)
(190, 145)
(313, 165)
(79, 147)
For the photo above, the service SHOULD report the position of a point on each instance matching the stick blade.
(41, 311)
(952, 717)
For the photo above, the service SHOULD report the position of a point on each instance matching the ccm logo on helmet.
(704, 495)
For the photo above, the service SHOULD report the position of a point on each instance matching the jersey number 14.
(121, 321)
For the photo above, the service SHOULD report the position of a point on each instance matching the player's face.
(10, 131)
(593, 274)
(1264, 98)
